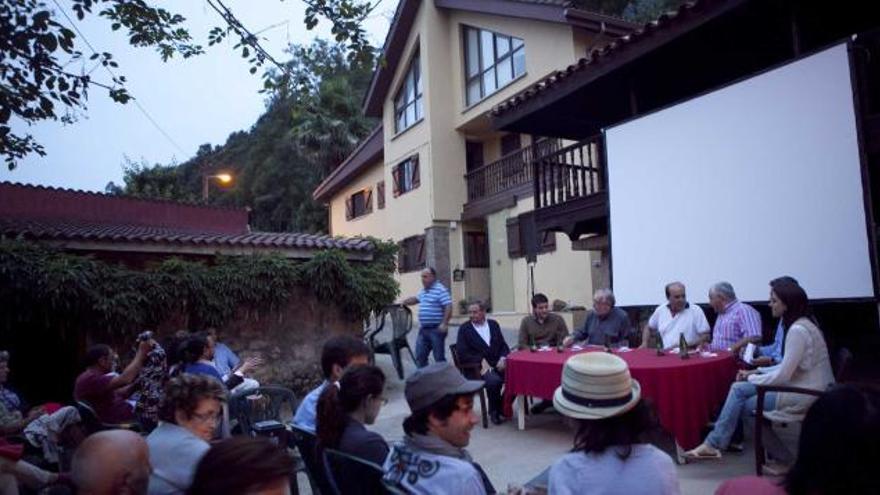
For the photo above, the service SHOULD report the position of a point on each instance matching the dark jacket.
(471, 348)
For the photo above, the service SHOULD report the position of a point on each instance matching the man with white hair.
(113, 462)
(605, 324)
(676, 318)
(738, 324)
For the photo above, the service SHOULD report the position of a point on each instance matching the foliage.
(312, 122)
(45, 286)
(38, 44)
(631, 10)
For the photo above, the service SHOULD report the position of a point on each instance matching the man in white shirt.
(480, 340)
(677, 317)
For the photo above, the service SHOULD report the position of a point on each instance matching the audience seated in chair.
(197, 354)
(480, 340)
(837, 450)
(432, 457)
(15, 472)
(805, 364)
(338, 353)
(342, 413)
(190, 414)
(610, 454)
(244, 465)
(114, 462)
(105, 392)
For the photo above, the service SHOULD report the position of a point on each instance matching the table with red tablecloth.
(685, 392)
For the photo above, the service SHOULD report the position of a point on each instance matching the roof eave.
(370, 149)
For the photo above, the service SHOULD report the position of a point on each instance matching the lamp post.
(224, 179)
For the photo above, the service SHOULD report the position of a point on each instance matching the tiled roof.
(61, 230)
(65, 215)
(599, 55)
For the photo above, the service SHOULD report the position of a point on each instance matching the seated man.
(605, 324)
(338, 353)
(431, 458)
(738, 324)
(480, 340)
(225, 359)
(677, 317)
(541, 327)
(101, 389)
(112, 462)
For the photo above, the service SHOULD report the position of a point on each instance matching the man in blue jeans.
(435, 310)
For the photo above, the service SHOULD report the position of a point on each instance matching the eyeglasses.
(206, 418)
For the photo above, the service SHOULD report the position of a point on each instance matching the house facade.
(436, 178)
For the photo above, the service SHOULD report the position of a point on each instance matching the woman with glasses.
(189, 416)
(343, 410)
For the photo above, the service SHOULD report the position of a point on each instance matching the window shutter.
(514, 243)
(415, 171)
(349, 208)
(395, 180)
(420, 243)
(368, 200)
(548, 242)
(402, 265)
(380, 194)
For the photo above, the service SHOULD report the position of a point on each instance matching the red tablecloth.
(685, 392)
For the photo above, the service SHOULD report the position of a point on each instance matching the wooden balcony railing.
(508, 172)
(568, 173)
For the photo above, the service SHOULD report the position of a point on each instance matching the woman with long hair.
(611, 454)
(805, 364)
(343, 410)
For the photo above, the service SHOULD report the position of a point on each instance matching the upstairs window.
(492, 61)
(409, 104)
(359, 204)
(405, 175)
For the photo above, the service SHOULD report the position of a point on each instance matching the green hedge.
(46, 287)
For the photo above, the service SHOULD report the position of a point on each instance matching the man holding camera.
(101, 389)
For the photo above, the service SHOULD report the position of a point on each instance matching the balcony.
(570, 189)
(497, 185)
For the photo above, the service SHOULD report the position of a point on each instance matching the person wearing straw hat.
(432, 460)
(610, 455)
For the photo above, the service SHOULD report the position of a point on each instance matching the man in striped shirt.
(738, 324)
(435, 310)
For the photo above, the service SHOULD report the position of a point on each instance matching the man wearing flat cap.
(432, 459)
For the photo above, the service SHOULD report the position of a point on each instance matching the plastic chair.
(307, 444)
(471, 371)
(264, 411)
(400, 319)
(93, 424)
(351, 475)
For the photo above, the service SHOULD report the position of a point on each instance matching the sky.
(195, 101)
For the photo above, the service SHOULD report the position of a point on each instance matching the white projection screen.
(755, 180)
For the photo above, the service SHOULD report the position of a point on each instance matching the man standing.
(541, 327)
(432, 459)
(435, 310)
(113, 462)
(677, 317)
(101, 390)
(480, 340)
(738, 324)
(605, 324)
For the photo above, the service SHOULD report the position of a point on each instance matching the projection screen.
(755, 180)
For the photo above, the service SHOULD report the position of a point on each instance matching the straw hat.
(596, 385)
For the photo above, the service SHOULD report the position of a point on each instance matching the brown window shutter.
(368, 200)
(402, 265)
(548, 243)
(415, 171)
(380, 194)
(421, 251)
(395, 180)
(514, 242)
(349, 208)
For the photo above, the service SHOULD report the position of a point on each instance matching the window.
(405, 175)
(473, 155)
(516, 241)
(411, 254)
(359, 204)
(408, 104)
(510, 143)
(492, 61)
(476, 250)
(380, 194)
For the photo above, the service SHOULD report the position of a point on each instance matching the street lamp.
(223, 179)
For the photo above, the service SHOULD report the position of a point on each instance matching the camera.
(145, 336)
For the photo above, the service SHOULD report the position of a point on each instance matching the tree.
(36, 46)
(630, 10)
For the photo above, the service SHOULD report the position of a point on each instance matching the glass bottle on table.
(682, 346)
(608, 344)
(660, 346)
(532, 346)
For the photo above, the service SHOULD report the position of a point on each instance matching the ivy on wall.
(46, 287)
